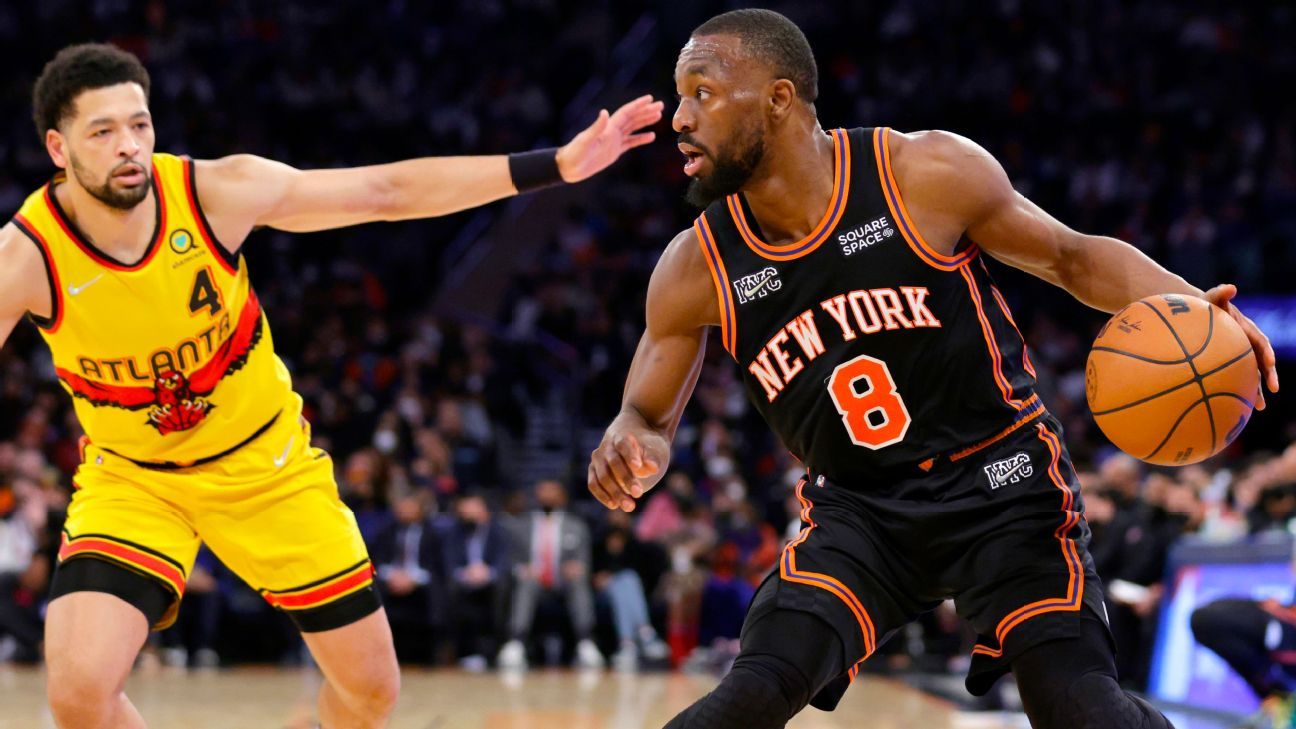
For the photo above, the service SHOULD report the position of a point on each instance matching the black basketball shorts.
(1001, 532)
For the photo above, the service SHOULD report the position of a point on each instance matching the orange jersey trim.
(788, 571)
(98, 256)
(1032, 408)
(832, 216)
(996, 359)
(330, 589)
(1003, 306)
(115, 550)
(720, 277)
(1075, 567)
(900, 213)
(56, 296)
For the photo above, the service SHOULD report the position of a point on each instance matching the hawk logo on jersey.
(176, 406)
(1009, 470)
(177, 402)
(757, 285)
(856, 240)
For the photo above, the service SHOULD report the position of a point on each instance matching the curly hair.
(76, 69)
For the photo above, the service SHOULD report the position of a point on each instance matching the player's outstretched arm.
(24, 286)
(635, 450)
(969, 193)
(241, 192)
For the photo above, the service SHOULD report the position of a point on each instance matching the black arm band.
(534, 170)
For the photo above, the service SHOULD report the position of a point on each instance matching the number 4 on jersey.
(873, 399)
(205, 295)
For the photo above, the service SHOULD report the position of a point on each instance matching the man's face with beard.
(106, 144)
(720, 117)
(111, 190)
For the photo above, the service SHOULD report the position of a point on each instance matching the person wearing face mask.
(552, 547)
(475, 553)
(407, 555)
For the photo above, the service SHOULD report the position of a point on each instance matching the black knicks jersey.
(865, 349)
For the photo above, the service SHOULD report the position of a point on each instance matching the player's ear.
(56, 145)
(782, 95)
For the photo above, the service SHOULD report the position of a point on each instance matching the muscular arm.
(954, 188)
(23, 283)
(636, 448)
(242, 192)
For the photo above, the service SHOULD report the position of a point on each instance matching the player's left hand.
(1222, 296)
(602, 142)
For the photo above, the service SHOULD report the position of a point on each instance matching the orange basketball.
(1172, 379)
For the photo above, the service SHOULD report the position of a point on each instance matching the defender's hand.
(623, 467)
(602, 142)
(1221, 296)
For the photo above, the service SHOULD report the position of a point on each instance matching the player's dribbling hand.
(624, 467)
(602, 142)
(1221, 296)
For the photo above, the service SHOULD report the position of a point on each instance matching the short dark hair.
(76, 69)
(774, 40)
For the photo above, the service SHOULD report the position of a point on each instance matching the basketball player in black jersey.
(845, 272)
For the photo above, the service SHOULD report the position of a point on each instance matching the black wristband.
(534, 170)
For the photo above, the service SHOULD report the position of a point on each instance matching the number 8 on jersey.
(879, 396)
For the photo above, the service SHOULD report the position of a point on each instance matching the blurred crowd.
(1154, 120)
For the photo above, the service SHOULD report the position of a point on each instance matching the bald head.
(1120, 472)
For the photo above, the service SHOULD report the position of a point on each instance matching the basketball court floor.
(270, 698)
(252, 698)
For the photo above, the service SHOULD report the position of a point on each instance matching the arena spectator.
(476, 551)
(552, 565)
(407, 555)
(625, 570)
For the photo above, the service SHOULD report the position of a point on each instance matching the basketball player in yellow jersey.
(129, 263)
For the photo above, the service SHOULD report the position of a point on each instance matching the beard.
(733, 168)
(104, 192)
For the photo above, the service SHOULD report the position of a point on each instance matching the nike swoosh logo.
(74, 290)
(283, 457)
(750, 292)
(1015, 470)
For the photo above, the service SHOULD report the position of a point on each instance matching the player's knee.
(754, 695)
(375, 693)
(1096, 701)
(78, 692)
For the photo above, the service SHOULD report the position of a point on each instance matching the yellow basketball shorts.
(269, 511)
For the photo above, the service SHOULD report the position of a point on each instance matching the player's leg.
(362, 679)
(1029, 587)
(1070, 683)
(91, 640)
(122, 568)
(787, 657)
(271, 513)
(832, 602)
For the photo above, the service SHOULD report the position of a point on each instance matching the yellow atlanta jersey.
(168, 358)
